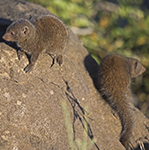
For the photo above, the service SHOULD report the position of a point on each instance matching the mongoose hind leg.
(59, 59)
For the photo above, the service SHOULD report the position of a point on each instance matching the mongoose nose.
(143, 69)
(4, 37)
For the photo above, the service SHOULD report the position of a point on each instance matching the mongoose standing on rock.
(114, 81)
(46, 34)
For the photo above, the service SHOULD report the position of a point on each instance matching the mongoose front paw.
(59, 60)
(20, 54)
(28, 68)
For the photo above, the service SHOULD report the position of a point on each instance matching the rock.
(32, 112)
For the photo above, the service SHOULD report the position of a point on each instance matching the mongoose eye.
(12, 33)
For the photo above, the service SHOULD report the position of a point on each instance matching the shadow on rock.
(92, 68)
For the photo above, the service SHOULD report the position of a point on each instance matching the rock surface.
(31, 112)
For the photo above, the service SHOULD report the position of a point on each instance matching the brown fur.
(46, 33)
(114, 79)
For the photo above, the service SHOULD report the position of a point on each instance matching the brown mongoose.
(46, 34)
(114, 81)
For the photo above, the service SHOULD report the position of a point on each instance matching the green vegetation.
(120, 26)
(82, 144)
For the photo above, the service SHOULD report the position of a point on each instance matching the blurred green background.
(114, 26)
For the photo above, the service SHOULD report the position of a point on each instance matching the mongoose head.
(136, 68)
(18, 30)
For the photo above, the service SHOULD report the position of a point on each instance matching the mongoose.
(114, 81)
(46, 34)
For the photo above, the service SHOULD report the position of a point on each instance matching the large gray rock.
(31, 114)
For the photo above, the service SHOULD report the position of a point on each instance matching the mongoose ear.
(137, 69)
(25, 30)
